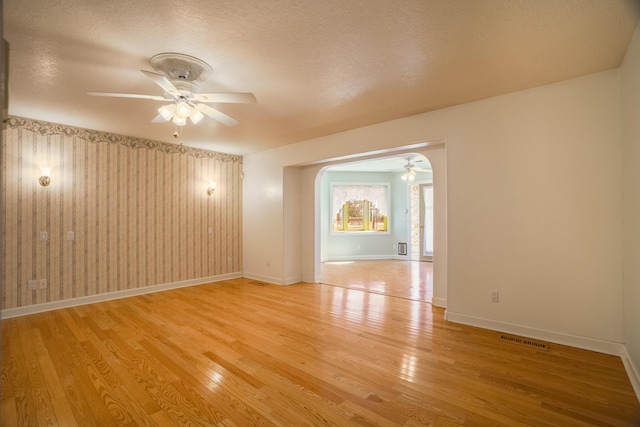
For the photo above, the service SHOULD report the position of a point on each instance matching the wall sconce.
(212, 188)
(45, 178)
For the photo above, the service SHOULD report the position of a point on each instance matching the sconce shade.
(45, 175)
(212, 188)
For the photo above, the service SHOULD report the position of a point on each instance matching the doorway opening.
(371, 260)
(421, 207)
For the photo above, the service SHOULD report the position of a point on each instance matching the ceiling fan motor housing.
(186, 88)
(180, 67)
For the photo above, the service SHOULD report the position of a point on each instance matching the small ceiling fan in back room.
(411, 169)
(177, 74)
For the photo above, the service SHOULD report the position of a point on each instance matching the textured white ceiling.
(316, 67)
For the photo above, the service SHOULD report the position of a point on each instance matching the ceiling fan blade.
(129, 95)
(421, 169)
(163, 82)
(216, 115)
(159, 119)
(246, 98)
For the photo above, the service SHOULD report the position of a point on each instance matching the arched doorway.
(377, 253)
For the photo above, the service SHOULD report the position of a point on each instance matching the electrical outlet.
(494, 296)
(210, 230)
(33, 285)
(268, 263)
(44, 236)
(42, 283)
(230, 260)
(71, 235)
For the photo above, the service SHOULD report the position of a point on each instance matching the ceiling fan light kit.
(408, 176)
(166, 111)
(183, 110)
(195, 116)
(176, 74)
(410, 171)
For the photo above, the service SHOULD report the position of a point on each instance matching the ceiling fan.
(410, 171)
(176, 74)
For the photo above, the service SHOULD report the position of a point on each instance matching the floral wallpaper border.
(97, 137)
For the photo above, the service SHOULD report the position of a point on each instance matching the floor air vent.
(525, 341)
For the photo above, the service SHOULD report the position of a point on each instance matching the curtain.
(376, 194)
(427, 243)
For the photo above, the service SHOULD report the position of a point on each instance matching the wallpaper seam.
(34, 225)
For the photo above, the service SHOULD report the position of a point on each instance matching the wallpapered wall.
(138, 208)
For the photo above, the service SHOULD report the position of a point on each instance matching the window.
(359, 208)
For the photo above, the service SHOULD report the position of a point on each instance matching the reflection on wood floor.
(397, 278)
(242, 353)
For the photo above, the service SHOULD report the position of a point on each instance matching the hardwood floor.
(402, 279)
(240, 353)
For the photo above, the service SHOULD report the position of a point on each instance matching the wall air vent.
(525, 341)
(402, 248)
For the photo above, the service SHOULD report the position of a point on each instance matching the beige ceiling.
(316, 67)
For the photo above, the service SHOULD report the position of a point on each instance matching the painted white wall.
(525, 214)
(529, 218)
(400, 214)
(437, 158)
(292, 220)
(262, 221)
(630, 90)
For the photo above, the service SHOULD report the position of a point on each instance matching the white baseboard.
(311, 279)
(267, 279)
(48, 306)
(365, 257)
(632, 371)
(439, 302)
(593, 344)
(292, 280)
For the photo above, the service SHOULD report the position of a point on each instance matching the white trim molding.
(292, 280)
(311, 279)
(91, 299)
(366, 257)
(632, 371)
(586, 343)
(267, 279)
(439, 302)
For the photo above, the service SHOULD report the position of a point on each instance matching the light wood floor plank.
(239, 353)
